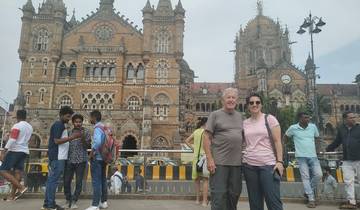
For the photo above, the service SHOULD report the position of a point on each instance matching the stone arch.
(61, 96)
(160, 143)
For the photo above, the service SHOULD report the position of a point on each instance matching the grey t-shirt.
(226, 144)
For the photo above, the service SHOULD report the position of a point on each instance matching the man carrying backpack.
(98, 166)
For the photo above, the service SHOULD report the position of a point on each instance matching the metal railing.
(150, 185)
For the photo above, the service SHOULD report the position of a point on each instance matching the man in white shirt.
(15, 152)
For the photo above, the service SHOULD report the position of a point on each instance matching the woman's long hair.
(201, 121)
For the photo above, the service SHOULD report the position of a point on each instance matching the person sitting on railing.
(348, 135)
(15, 152)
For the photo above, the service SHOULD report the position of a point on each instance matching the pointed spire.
(164, 8)
(309, 63)
(179, 8)
(29, 7)
(260, 7)
(286, 33)
(73, 20)
(107, 5)
(147, 8)
(59, 5)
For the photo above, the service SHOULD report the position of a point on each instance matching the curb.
(176, 197)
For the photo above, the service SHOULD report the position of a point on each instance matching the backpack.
(108, 147)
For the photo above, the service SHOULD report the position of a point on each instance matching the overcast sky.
(210, 31)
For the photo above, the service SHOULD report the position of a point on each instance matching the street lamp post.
(313, 24)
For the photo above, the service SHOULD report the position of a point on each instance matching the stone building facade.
(263, 64)
(136, 78)
(139, 80)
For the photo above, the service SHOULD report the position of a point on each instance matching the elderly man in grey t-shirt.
(223, 148)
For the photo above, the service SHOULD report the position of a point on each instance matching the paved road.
(35, 204)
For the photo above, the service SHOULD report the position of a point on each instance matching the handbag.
(200, 165)
(272, 140)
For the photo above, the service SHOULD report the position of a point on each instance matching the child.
(116, 181)
(330, 184)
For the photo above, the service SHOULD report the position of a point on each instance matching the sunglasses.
(254, 102)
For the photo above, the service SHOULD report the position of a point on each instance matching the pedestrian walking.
(15, 152)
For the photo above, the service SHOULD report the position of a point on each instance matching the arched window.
(65, 101)
(31, 65)
(97, 72)
(133, 103)
(197, 107)
(352, 108)
(130, 72)
(162, 42)
(104, 72)
(41, 95)
(27, 97)
(347, 108)
(161, 106)
(45, 66)
(72, 71)
(160, 143)
(203, 108)
(140, 72)
(162, 71)
(63, 71)
(357, 108)
(112, 73)
(208, 107)
(42, 40)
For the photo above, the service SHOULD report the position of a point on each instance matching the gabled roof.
(286, 65)
(212, 88)
(112, 14)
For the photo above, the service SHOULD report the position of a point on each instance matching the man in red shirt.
(15, 152)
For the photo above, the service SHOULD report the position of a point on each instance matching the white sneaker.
(93, 208)
(73, 205)
(66, 205)
(104, 205)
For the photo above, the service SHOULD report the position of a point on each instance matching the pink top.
(259, 151)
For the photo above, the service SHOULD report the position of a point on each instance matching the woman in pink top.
(262, 170)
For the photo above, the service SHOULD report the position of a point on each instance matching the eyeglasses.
(254, 102)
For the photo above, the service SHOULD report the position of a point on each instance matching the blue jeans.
(56, 168)
(311, 174)
(263, 184)
(98, 175)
